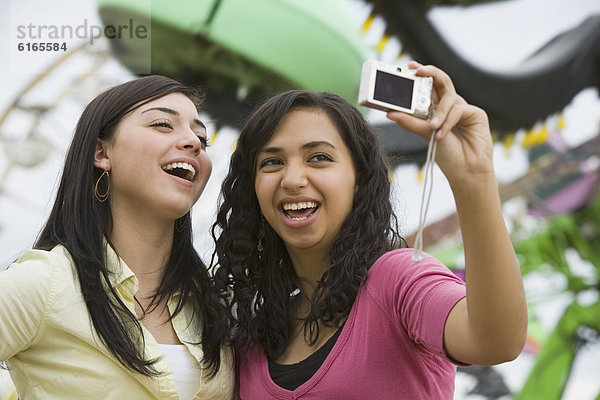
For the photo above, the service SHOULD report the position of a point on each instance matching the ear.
(101, 158)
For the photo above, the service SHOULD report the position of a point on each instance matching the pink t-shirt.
(391, 346)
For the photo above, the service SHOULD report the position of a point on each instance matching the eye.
(204, 141)
(270, 162)
(162, 123)
(320, 157)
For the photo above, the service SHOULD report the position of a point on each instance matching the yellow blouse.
(53, 351)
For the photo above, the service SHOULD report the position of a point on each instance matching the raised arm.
(489, 326)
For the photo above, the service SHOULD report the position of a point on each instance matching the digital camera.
(388, 87)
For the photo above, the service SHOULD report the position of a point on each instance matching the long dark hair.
(264, 309)
(81, 224)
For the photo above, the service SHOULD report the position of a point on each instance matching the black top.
(290, 376)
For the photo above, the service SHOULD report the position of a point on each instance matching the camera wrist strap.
(425, 197)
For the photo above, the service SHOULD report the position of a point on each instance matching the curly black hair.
(262, 310)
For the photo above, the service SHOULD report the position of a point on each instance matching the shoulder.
(251, 361)
(418, 295)
(395, 274)
(41, 262)
(39, 270)
(398, 264)
(58, 254)
(29, 289)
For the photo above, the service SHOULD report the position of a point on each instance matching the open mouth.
(299, 211)
(181, 170)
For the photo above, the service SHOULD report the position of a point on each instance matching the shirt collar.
(122, 277)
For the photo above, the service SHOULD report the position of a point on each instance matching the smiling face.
(157, 159)
(305, 181)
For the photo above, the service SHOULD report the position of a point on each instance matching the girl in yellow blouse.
(113, 302)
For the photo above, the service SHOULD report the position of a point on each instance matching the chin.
(303, 245)
(176, 212)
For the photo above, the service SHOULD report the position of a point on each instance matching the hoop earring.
(102, 197)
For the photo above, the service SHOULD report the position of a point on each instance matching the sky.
(496, 36)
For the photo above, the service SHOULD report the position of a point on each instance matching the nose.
(190, 141)
(294, 177)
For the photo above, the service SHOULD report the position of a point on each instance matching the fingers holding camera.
(448, 105)
(461, 128)
(442, 83)
(416, 125)
(443, 98)
(465, 142)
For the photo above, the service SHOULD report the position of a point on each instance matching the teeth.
(299, 206)
(182, 165)
(298, 218)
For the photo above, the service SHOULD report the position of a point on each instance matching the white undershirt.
(185, 369)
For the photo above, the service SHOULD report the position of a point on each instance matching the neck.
(145, 247)
(309, 266)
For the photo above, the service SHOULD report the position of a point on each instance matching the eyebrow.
(309, 145)
(175, 113)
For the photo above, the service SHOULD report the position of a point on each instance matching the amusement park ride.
(243, 51)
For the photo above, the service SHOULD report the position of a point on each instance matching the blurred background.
(533, 65)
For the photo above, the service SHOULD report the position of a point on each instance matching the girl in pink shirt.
(326, 304)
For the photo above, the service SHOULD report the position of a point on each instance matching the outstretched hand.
(462, 130)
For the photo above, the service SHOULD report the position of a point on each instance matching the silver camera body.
(388, 87)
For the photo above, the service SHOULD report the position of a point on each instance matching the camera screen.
(393, 89)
